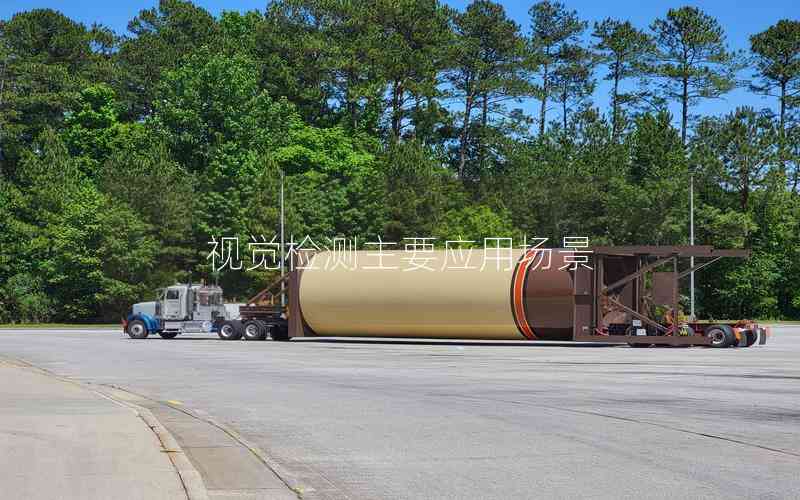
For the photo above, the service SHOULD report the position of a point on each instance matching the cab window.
(173, 294)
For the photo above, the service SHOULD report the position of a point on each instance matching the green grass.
(61, 326)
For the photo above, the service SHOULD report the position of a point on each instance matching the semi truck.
(200, 308)
(617, 295)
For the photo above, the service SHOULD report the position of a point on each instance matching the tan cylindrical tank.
(441, 294)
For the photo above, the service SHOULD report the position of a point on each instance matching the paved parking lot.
(455, 420)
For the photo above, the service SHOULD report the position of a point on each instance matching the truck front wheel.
(230, 330)
(137, 329)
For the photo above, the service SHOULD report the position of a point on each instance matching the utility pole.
(691, 242)
(283, 250)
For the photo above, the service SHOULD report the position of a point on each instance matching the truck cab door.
(172, 304)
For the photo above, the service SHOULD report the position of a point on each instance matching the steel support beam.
(255, 298)
(641, 271)
(697, 267)
(635, 314)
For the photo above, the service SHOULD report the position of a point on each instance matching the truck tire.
(720, 335)
(230, 330)
(254, 330)
(168, 335)
(279, 333)
(752, 337)
(748, 338)
(137, 329)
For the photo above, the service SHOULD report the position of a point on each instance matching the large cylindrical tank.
(440, 294)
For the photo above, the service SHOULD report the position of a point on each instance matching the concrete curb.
(189, 477)
(285, 476)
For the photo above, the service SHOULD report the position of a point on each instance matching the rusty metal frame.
(639, 315)
(268, 289)
(698, 267)
(633, 339)
(664, 255)
(637, 274)
(666, 250)
(294, 313)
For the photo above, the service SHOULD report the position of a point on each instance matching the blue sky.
(739, 18)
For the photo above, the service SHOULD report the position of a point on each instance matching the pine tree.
(691, 59)
(486, 59)
(623, 49)
(552, 27)
(777, 59)
(572, 78)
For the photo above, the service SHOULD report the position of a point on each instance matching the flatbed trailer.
(610, 300)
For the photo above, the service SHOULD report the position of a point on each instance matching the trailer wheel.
(168, 335)
(750, 337)
(720, 335)
(230, 330)
(254, 330)
(137, 329)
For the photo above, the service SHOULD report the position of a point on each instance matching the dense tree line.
(122, 156)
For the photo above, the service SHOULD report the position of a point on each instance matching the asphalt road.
(396, 420)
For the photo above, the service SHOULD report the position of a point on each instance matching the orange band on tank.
(518, 294)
